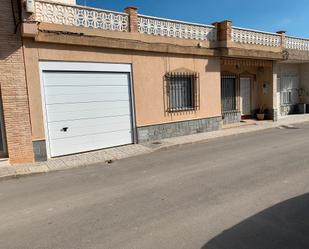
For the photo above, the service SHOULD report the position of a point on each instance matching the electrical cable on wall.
(17, 22)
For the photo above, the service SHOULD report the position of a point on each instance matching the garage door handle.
(64, 129)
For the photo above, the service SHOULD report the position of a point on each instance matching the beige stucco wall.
(148, 72)
(266, 76)
(253, 47)
(154, 43)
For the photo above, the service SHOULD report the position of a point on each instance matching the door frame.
(86, 67)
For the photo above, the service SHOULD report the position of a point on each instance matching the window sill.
(182, 110)
(232, 111)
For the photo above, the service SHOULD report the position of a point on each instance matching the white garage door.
(86, 110)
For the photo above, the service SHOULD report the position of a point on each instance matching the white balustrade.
(177, 29)
(296, 43)
(74, 15)
(247, 36)
(58, 13)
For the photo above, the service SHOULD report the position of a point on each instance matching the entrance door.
(245, 96)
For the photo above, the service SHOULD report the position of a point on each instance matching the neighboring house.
(77, 79)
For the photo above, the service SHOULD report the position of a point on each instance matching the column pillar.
(133, 18)
(14, 92)
(224, 32)
(283, 37)
(275, 107)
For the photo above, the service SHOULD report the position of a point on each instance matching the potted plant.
(260, 115)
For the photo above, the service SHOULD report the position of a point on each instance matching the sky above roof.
(266, 15)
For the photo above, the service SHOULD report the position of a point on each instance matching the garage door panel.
(84, 98)
(90, 142)
(76, 90)
(65, 112)
(85, 79)
(88, 127)
(93, 107)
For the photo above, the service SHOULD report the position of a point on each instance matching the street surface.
(247, 191)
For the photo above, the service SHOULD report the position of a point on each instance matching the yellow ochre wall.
(148, 72)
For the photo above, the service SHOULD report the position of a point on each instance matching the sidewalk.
(109, 155)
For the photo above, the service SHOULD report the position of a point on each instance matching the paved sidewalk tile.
(107, 155)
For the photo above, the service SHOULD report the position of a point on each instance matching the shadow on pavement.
(283, 226)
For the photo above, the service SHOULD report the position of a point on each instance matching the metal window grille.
(286, 97)
(228, 93)
(289, 90)
(182, 90)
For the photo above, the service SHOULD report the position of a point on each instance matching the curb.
(105, 156)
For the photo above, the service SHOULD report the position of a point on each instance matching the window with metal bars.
(288, 86)
(182, 91)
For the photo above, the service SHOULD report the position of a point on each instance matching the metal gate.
(228, 93)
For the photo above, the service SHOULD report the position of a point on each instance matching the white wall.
(300, 70)
(288, 69)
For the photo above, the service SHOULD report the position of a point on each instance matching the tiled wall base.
(161, 131)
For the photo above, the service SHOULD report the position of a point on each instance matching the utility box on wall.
(29, 6)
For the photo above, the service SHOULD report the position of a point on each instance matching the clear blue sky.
(267, 15)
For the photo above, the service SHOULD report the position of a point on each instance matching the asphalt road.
(247, 191)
